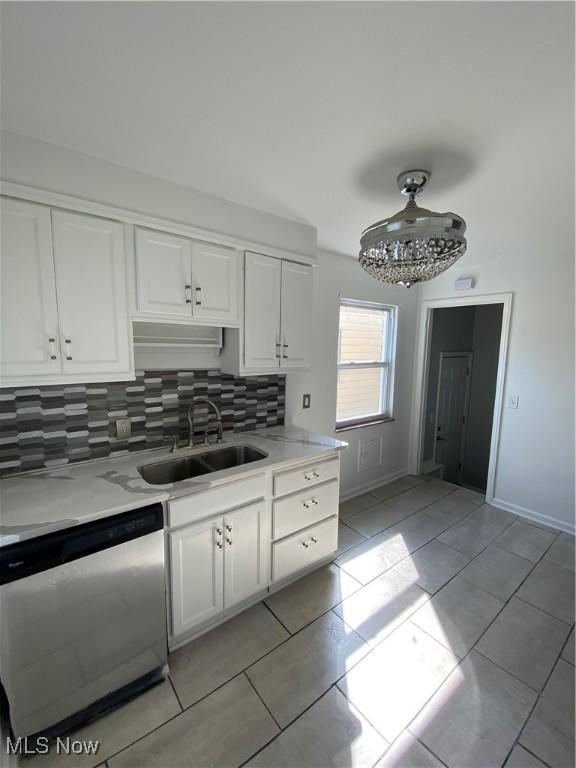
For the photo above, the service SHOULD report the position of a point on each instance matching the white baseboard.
(530, 514)
(365, 487)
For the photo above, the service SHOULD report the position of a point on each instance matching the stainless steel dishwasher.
(82, 620)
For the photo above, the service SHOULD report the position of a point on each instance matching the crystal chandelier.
(415, 244)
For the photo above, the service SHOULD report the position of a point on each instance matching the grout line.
(278, 619)
(175, 692)
(517, 743)
(174, 717)
(429, 750)
(266, 707)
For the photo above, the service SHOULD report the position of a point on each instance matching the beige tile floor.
(441, 635)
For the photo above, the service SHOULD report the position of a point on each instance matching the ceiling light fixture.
(415, 244)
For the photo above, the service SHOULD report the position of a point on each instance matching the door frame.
(424, 330)
(469, 358)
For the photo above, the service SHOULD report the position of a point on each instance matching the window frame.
(389, 344)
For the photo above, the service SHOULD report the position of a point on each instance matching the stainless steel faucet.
(208, 427)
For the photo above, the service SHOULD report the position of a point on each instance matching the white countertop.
(36, 503)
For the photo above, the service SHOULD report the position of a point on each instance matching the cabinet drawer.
(293, 513)
(305, 476)
(216, 500)
(304, 549)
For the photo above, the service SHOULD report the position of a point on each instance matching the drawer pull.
(314, 540)
(315, 474)
(52, 341)
(315, 502)
(305, 544)
(228, 541)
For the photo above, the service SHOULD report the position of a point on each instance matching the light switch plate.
(513, 401)
(123, 429)
(305, 401)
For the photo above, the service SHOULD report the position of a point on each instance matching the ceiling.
(306, 110)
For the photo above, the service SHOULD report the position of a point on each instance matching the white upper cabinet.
(262, 285)
(92, 296)
(296, 315)
(277, 332)
(215, 283)
(163, 274)
(64, 297)
(181, 280)
(29, 341)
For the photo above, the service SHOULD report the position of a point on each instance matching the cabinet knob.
(315, 501)
(314, 540)
(315, 474)
(68, 343)
(188, 289)
(52, 342)
(285, 349)
(305, 544)
(198, 301)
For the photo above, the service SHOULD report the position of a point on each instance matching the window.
(366, 341)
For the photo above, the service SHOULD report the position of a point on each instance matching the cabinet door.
(215, 276)
(263, 276)
(246, 542)
(92, 300)
(296, 315)
(29, 342)
(196, 574)
(163, 274)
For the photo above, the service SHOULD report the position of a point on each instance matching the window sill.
(363, 424)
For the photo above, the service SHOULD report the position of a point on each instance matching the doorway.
(459, 386)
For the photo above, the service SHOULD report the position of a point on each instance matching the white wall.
(337, 276)
(47, 166)
(535, 261)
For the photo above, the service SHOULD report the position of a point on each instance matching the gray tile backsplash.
(61, 423)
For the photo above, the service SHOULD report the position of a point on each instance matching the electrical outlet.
(305, 401)
(123, 429)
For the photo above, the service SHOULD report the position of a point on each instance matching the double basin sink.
(185, 467)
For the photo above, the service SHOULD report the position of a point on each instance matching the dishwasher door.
(83, 614)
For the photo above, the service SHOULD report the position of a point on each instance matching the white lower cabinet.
(246, 545)
(197, 575)
(222, 557)
(216, 564)
(304, 549)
